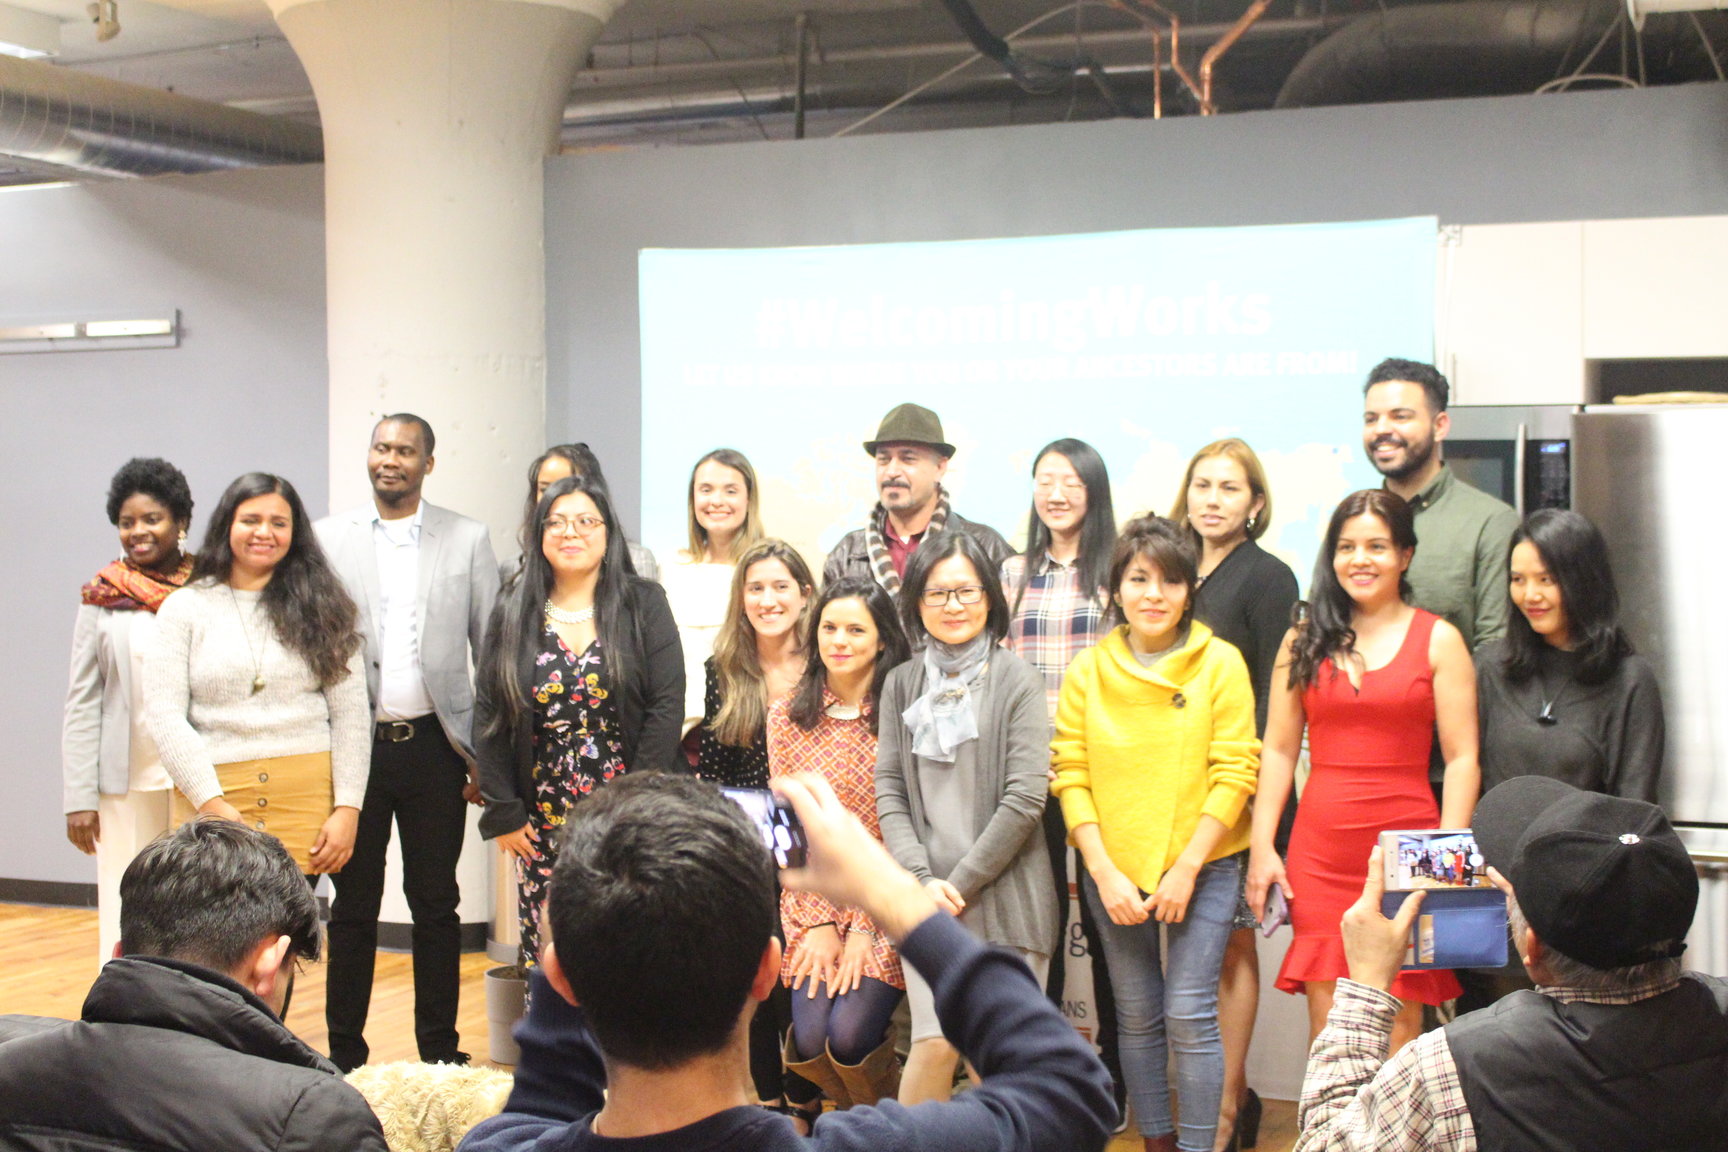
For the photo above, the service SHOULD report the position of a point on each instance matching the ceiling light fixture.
(28, 34)
(105, 14)
(112, 332)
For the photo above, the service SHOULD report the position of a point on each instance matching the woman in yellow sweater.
(1155, 759)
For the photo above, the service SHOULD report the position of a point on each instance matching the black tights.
(851, 1026)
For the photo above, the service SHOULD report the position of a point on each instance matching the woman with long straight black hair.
(581, 680)
(1058, 602)
(1563, 694)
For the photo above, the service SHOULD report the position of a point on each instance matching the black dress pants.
(417, 784)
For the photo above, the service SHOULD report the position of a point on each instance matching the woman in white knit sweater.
(255, 692)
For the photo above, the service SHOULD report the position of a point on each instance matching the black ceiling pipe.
(1434, 51)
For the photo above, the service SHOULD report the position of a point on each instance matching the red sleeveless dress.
(1368, 757)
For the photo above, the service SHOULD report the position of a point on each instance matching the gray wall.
(1581, 156)
(242, 256)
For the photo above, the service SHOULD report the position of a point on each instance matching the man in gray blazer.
(424, 579)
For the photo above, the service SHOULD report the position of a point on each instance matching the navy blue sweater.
(1043, 1089)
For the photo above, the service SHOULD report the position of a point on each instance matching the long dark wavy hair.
(1097, 529)
(737, 672)
(307, 606)
(1576, 556)
(1323, 621)
(521, 613)
(582, 463)
(806, 707)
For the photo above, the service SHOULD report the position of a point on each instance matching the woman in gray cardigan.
(961, 777)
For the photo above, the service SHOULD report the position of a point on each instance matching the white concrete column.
(438, 116)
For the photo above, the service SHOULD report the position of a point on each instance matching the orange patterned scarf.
(124, 588)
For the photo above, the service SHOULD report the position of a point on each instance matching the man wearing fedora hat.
(1616, 1048)
(911, 459)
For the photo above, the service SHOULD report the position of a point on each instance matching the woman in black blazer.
(581, 680)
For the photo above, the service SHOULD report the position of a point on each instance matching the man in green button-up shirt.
(1463, 536)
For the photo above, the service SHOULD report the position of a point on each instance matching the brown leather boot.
(1160, 1143)
(873, 1078)
(820, 1071)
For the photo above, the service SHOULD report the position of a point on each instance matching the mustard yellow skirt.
(289, 797)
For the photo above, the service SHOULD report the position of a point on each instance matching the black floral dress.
(577, 748)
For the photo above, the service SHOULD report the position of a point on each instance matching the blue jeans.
(1177, 994)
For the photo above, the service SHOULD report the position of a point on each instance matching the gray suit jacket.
(96, 742)
(458, 583)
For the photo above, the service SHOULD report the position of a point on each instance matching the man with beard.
(911, 459)
(1463, 536)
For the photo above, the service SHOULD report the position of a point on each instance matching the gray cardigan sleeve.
(896, 775)
(81, 737)
(1020, 715)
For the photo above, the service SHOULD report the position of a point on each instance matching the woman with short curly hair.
(116, 788)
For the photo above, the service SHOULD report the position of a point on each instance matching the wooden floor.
(48, 959)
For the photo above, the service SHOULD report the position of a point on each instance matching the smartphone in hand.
(774, 818)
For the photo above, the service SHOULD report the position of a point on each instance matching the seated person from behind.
(1615, 1049)
(181, 1046)
(661, 926)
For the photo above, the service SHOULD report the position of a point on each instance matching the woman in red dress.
(1371, 678)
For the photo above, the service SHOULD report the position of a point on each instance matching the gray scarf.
(946, 715)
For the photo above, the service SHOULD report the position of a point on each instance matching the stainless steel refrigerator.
(1651, 479)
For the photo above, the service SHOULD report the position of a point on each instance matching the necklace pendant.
(257, 684)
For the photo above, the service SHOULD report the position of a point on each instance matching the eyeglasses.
(938, 597)
(581, 525)
(1045, 486)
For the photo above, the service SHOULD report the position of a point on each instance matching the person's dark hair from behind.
(209, 891)
(931, 552)
(663, 901)
(1428, 377)
(155, 478)
(1576, 556)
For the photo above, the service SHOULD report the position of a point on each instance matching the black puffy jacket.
(173, 1056)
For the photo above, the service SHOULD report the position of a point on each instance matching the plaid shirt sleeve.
(1356, 1100)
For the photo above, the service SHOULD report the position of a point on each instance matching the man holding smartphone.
(661, 921)
(1616, 1048)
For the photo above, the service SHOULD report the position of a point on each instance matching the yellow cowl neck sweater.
(1145, 752)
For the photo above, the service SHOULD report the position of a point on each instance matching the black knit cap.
(1603, 880)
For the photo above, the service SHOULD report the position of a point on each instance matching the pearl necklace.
(559, 616)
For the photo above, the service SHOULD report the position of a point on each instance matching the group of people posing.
(1150, 680)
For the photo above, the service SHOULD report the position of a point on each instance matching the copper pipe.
(1175, 44)
(1151, 27)
(1254, 12)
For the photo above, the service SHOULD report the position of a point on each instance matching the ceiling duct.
(69, 121)
(1435, 51)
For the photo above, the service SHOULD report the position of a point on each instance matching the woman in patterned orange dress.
(846, 979)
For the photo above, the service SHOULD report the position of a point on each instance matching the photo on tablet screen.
(1434, 858)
